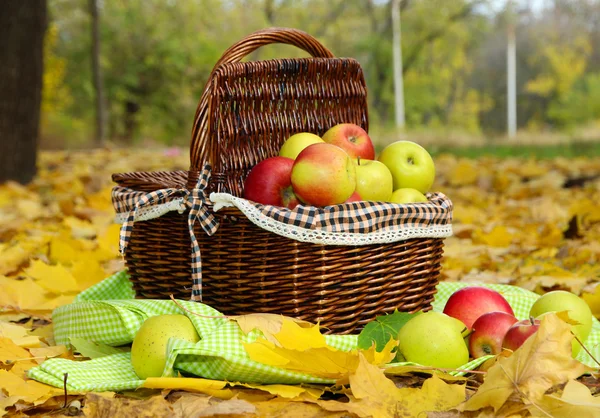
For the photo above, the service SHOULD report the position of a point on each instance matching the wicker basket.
(246, 112)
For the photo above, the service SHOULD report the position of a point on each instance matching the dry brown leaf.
(100, 407)
(576, 401)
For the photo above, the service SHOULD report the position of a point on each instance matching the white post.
(397, 54)
(511, 69)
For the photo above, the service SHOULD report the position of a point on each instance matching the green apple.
(407, 195)
(323, 175)
(149, 348)
(577, 308)
(433, 339)
(410, 165)
(297, 142)
(373, 180)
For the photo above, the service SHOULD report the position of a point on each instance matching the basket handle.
(200, 152)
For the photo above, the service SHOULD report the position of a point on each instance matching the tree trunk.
(22, 29)
(97, 74)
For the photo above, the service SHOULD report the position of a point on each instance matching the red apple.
(488, 333)
(323, 175)
(269, 182)
(518, 333)
(351, 138)
(469, 303)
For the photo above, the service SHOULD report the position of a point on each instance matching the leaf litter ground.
(524, 222)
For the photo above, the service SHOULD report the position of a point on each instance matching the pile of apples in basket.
(340, 167)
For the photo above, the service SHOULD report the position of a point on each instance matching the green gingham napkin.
(106, 313)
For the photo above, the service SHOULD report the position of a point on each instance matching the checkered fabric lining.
(218, 355)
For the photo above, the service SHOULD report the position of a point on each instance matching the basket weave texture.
(246, 112)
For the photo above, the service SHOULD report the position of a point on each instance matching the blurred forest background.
(155, 56)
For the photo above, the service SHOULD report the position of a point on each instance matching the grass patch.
(569, 150)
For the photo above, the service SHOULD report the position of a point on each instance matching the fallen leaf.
(9, 351)
(575, 401)
(92, 349)
(100, 407)
(18, 335)
(318, 360)
(268, 324)
(375, 395)
(544, 360)
(207, 386)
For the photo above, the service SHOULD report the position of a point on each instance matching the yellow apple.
(433, 339)
(149, 348)
(407, 195)
(296, 143)
(576, 307)
(410, 165)
(373, 180)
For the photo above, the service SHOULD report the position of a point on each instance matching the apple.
(576, 307)
(488, 333)
(355, 197)
(407, 195)
(373, 180)
(433, 339)
(270, 183)
(469, 303)
(323, 175)
(149, 348)
(518, 333)
(351, 138)
(410, 165)
(296, 143)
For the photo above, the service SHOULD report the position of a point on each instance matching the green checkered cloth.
(107, 313)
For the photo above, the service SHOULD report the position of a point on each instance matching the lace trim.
(151, 212)
(384, 236)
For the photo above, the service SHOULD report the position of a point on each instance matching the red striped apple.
(323, 175)
(270, 183)
(488, 333)
(469, 303)
(519, 332)
(351, 138)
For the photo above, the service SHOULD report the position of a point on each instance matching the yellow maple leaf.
(575, 401)
(44, 353)
(544, 360)
(87, 272)
(499, 236)
(18, 335)
(309, 355)
(268, 324)
(464, 173)
(21, 294)
(375, 395)
(9, 351)
(32, 391)
(64, 249)
(56, 279)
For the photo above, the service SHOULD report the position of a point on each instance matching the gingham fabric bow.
(194, 201)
